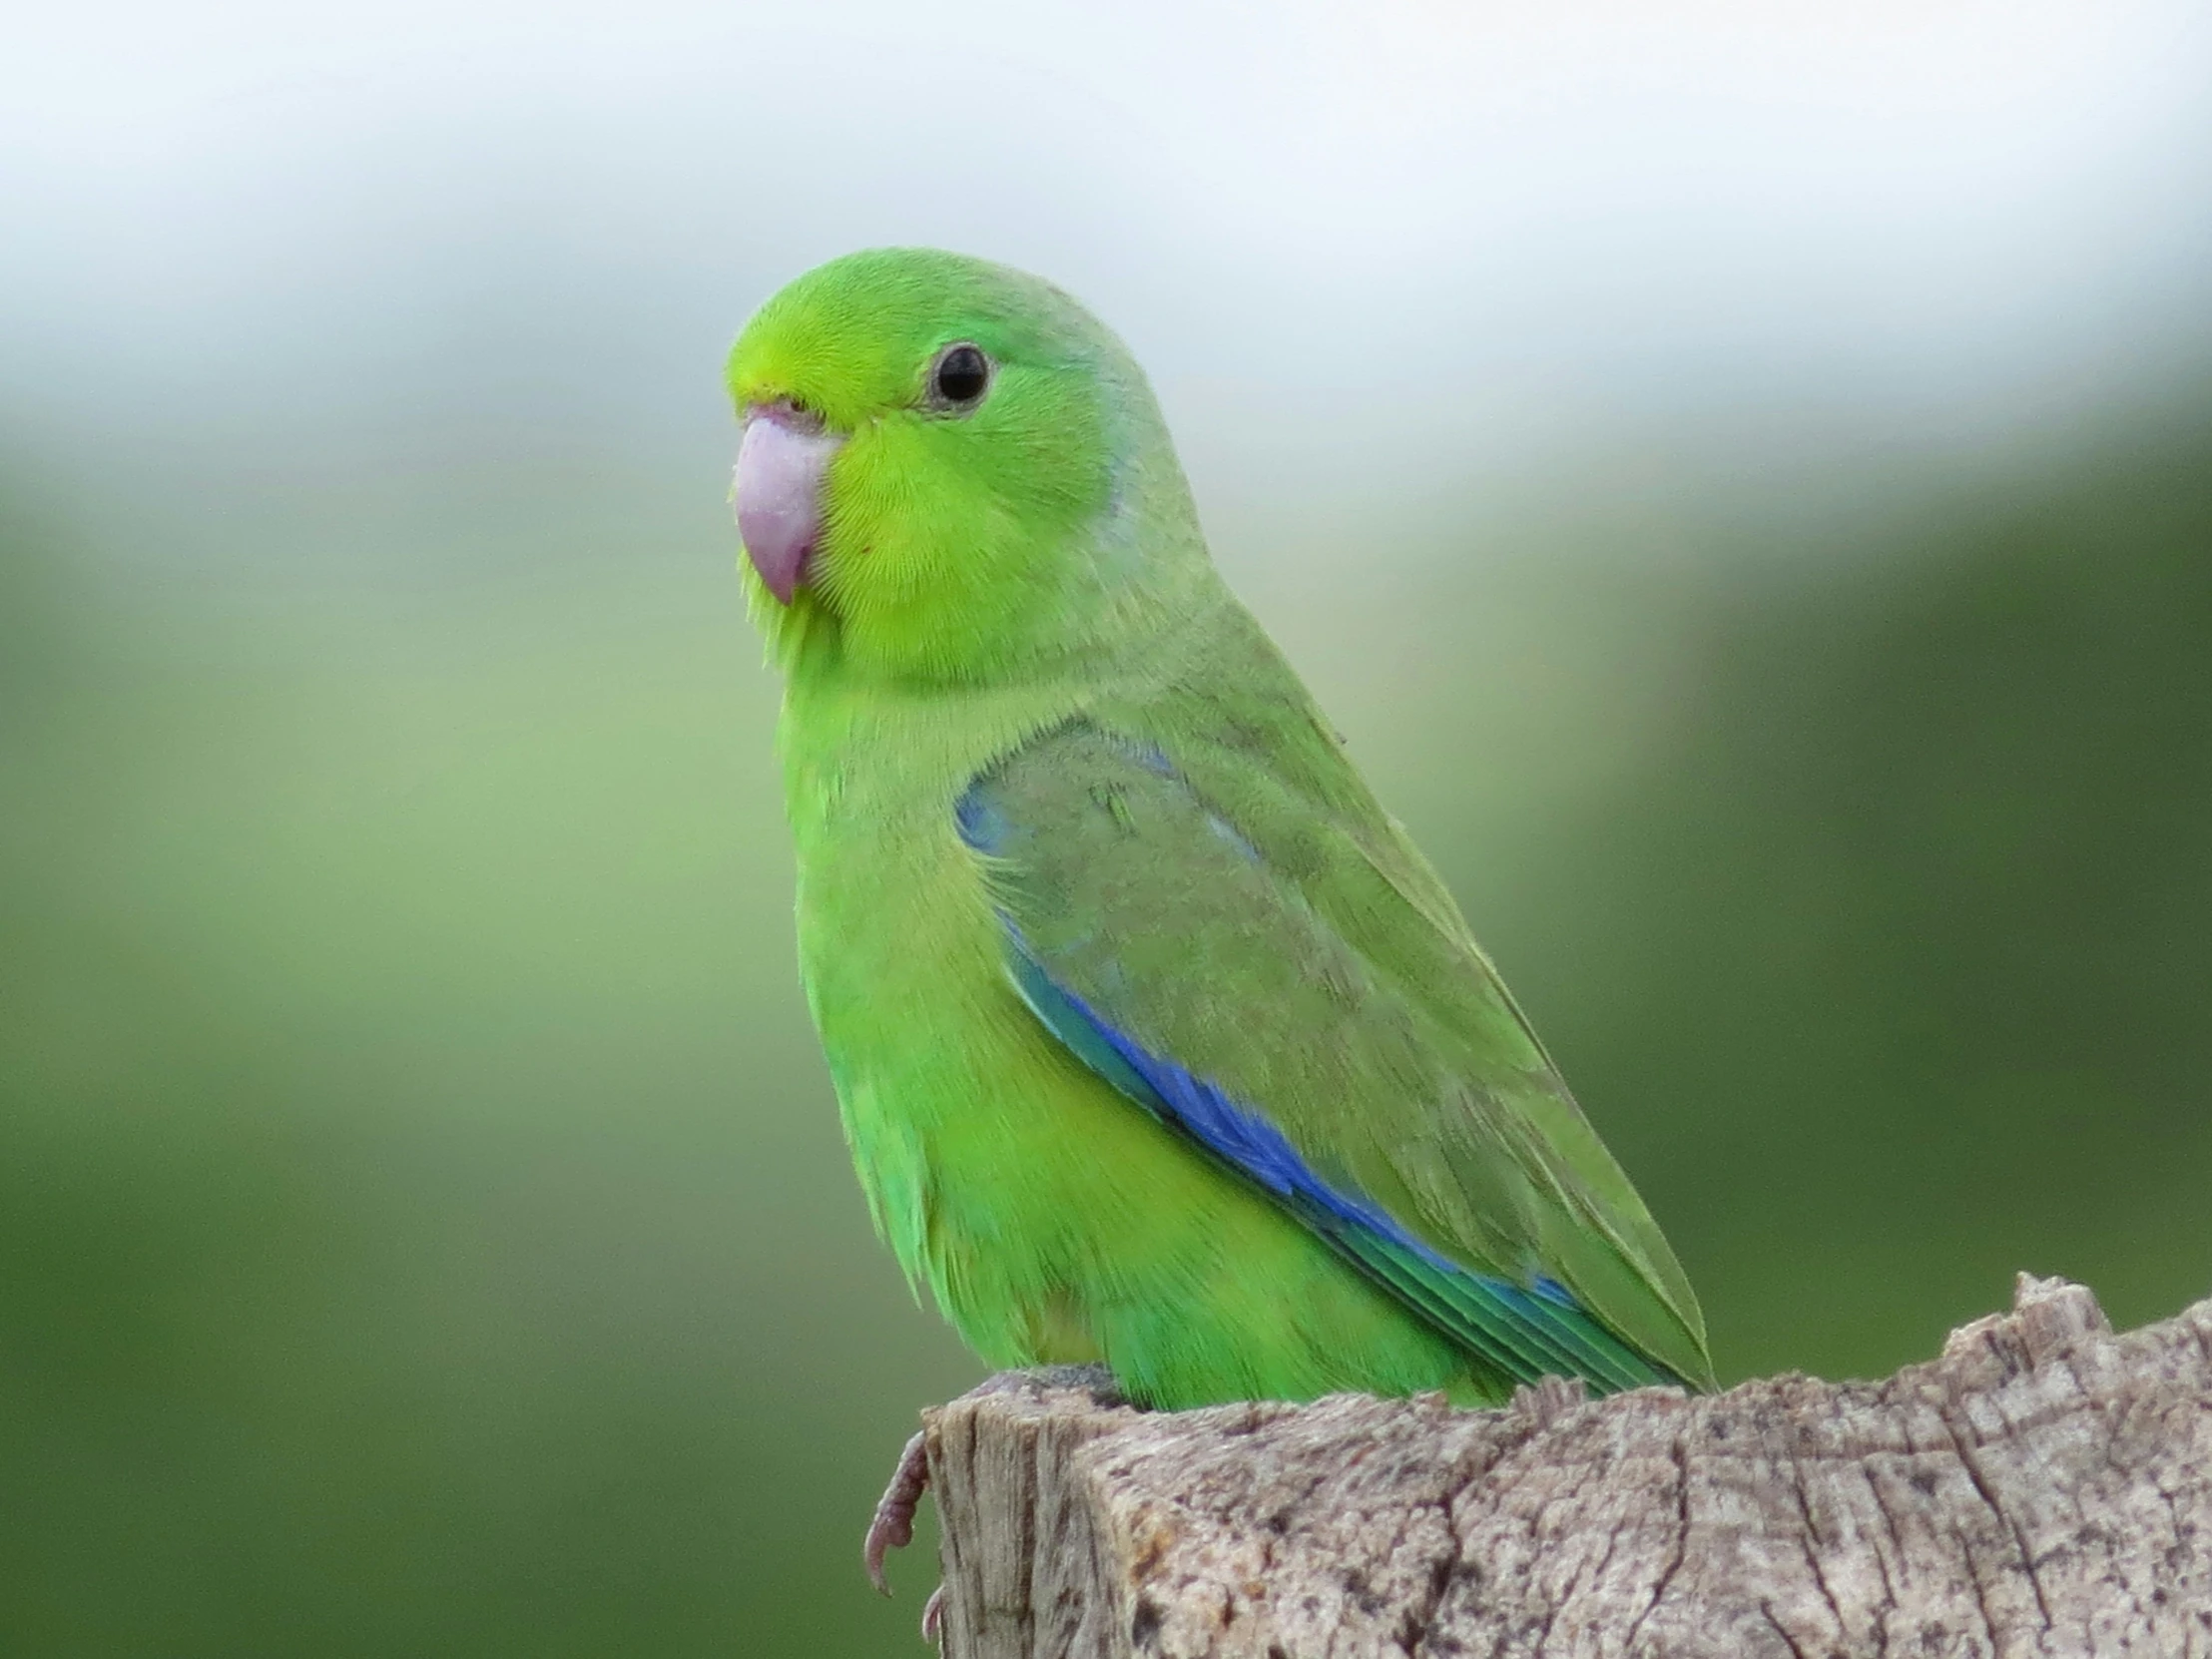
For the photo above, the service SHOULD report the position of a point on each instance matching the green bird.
(1157, 1042)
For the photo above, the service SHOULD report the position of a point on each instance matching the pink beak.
(780, 467)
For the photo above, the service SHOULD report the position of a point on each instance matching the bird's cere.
(782, 461)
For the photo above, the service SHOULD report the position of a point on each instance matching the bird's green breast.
(964, 1119)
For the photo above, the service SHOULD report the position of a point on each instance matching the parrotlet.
(1157, 1042)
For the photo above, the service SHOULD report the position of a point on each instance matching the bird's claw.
(932, 1616)
(893, 1526)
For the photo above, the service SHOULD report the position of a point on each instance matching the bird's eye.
(961, 375)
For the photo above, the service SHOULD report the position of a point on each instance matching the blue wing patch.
(1527, 1331)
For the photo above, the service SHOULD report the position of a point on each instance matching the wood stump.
(2044, 1487)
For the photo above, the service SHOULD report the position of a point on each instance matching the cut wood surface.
(2043, 1488)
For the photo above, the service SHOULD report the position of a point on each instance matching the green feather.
(1021, 594)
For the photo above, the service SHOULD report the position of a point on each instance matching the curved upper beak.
(781, 464)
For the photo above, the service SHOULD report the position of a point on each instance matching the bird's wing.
(1290, 989)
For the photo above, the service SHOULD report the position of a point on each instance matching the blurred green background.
(424, 1225)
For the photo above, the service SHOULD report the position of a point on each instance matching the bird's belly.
(1052, 1219)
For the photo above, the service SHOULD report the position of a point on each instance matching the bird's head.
(949, 470)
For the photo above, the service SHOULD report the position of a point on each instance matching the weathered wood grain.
(2044, 1487)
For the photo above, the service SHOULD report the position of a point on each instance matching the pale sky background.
(1372, 255)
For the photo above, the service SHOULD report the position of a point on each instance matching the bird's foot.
(893, 1526)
